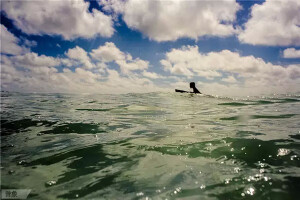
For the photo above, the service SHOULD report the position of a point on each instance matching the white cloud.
(229, 79)
(30, 60)
(9, 43)
(31, 72)
(151, 75)
(132, 65)
(80, 55)
(68, 18)
(291, 53)
(188, 58)
(49, 79)
(110, 53)
(189, 62)
(244, 75)
(252, 72)
(294, 71)
(170, 20)
(273, 23)
(30, 43)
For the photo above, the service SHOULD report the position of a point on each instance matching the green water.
(155, 146)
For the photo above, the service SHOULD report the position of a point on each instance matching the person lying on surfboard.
(193, 86)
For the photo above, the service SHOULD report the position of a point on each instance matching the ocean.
(151, 146)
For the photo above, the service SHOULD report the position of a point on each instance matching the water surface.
(156, 145)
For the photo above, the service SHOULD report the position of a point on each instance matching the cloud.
(110, 53)
(151, 75)
(291, 53)
(170, 20)
(9, 43)
(49, 79)
(189, 62)
(132, 65)
(45, 79)
(31, 60)
(70, 19)
(30, 43)
(31, 72)
(252, 72)
(273, 23)
(229, 79)
(221, 73)
(80, 55)
(294, 71)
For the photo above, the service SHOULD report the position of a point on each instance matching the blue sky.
(169, 42)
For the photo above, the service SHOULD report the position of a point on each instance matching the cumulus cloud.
(223, 73)
(151, 75)
(68, 18)
(31, 72)
(273, 23)
(80, 55)
(49, 79)
(9, 43)
(229, 79)
(189, 62)
(252, 72)
(170, 20)
(30, 60)
(110, 53)
(30, 43)
(291, 53)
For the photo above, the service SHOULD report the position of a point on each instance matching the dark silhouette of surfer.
(193, 86)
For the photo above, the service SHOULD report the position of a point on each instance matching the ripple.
(241, 117)
(17, 126)
(245, 150)
(94, 109)
(233, 104)
(248, 133)
(80, 128)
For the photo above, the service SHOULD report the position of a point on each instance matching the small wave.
(80, 128)
(273, 116)
(230, 118)
(233, 104)
(83, 162)
(93, 109)
(288, 100)
(16, 126)
(248, 133)
(264, 102)
(241, 117)
(248, 151)
(296, 136)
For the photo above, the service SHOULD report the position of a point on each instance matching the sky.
(227, 47)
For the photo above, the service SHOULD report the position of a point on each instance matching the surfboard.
(182, 91)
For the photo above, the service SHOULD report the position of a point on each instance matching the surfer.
(193, 86)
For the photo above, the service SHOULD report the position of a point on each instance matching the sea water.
(150, 146)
